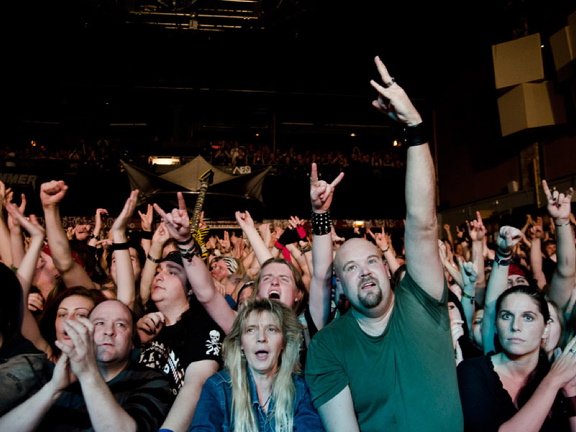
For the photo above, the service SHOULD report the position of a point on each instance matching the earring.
(242, 353)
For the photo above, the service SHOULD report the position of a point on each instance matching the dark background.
(74, 67)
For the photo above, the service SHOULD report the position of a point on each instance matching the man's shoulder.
(338, 328)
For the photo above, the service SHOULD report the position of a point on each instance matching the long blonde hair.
(283, 390)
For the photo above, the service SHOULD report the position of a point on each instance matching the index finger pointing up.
(181, 202)
(546, 189)
(382, 70)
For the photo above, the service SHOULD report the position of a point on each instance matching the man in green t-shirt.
(388, 363)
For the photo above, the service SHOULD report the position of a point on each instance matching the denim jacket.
(214, 409)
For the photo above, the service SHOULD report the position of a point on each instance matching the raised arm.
(146, 224)
(153, 257)
(124, 271)
(258, 244)
(421, 232)
(5, 249)
(564, 276)
(73, 274)
(384, 242)
(25, 275)
(508, 237)
(477, 234)
(536, 253)
(178, 225)
(321, 194)
(95, 237)
(18, 247)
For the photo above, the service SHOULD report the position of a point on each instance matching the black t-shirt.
(194, 337)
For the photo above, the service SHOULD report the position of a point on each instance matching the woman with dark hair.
(516, 388)
(260, 388)
(69, 304)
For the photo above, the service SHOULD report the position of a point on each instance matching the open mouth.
(368, 285)
(261, 355)
(275, 295)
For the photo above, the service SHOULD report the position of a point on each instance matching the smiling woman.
(260, 388)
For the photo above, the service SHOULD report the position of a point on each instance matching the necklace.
(265, 405)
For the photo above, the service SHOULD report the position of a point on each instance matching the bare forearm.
(28, 415)
(536, 262)
(17, 244)
(564, 277)
(497, 284)
(321, 283)
(5, 243)
(421, 233)
(105, 412)
(533, 414)
(57, 240)
(258, 245)
(124, 272)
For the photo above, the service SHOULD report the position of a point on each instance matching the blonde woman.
(260, 388)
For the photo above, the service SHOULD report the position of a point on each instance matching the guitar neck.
(198, 207)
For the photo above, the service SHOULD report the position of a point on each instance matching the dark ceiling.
(302, 64)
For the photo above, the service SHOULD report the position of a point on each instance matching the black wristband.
(321, 223)
(120, 246)
(154, 260)
(415, 135)
(189, 253)
(503, 260)
(146, 235)
(568, 406)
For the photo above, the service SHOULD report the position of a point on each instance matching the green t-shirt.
(403, 380)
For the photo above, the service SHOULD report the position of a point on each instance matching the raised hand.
(177, 221)
(507, 238)
(81, 351)
(558, 203)
(321, 192)
(31, 225)
(123, 218)
(392, 99)
(380, 238)
(52, 192)
(537, 228)
(161, 234)
(147, 218)
(476, 228)
(244, 220)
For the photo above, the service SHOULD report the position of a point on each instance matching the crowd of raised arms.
(293, 327)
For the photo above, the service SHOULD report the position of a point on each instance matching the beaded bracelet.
(321, 223)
